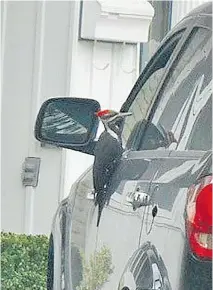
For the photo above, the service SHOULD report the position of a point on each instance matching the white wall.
(36, 47)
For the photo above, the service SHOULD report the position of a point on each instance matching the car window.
(200, 137)
(184, 109)
(144, 98)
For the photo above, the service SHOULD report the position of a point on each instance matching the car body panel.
(169, 193)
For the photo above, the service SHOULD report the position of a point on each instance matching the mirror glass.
(67, 121)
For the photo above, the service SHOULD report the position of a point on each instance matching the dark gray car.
(156, 231)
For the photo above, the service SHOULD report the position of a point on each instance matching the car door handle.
(138, 198)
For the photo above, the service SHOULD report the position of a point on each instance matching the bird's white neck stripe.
(111, 132)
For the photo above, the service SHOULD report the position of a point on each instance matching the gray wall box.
(30, 172)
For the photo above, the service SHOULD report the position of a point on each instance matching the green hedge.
(23, 262)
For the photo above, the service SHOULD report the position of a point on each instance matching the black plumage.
(108, 152)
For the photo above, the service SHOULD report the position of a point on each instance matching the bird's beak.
(125, 114)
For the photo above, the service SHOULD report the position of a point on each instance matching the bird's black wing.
(108, 152)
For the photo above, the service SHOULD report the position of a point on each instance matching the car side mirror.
(67, 122)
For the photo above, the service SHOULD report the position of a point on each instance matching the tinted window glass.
(200, 136)
(184, 110)
(144, 98)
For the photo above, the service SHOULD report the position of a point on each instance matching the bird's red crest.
(102, 113)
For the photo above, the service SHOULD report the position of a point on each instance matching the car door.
(184, 109)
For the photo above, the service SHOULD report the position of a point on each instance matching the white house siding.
(36, 45)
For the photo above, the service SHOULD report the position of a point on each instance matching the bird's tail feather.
(100, 208)
(100, 200)
(99, 197)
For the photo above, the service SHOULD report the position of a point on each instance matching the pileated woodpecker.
(108, 152)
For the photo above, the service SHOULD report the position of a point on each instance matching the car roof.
(204, 9)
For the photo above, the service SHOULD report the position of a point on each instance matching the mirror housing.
(68, 122)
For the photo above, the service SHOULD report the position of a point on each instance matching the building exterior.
(43, 55)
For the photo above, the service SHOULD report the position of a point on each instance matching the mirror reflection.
(68, 121)
(58, 123)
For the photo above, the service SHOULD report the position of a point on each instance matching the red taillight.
(199, 218)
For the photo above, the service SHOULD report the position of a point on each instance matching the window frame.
(153, 68)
